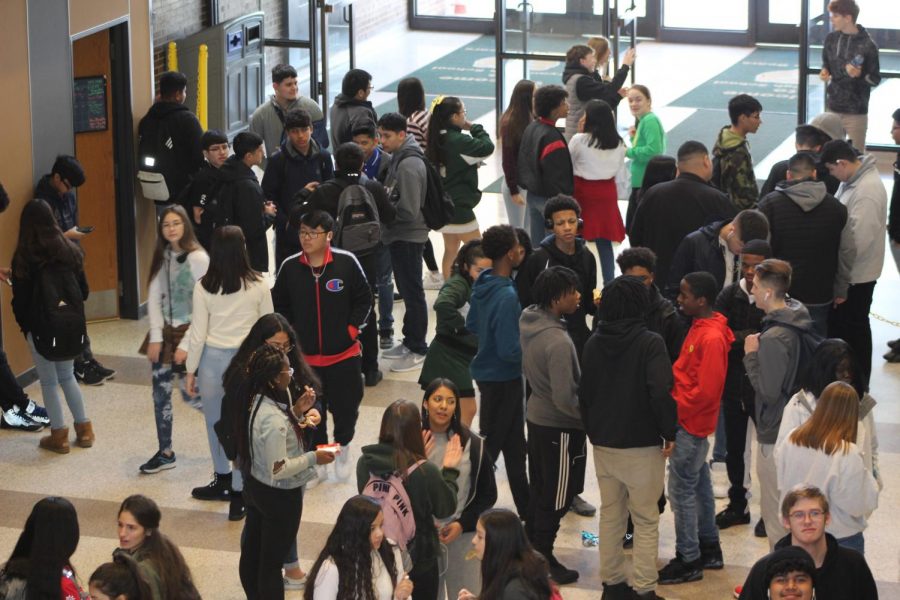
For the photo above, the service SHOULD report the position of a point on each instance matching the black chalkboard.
(90, 104)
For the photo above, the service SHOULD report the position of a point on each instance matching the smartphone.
(87, 229)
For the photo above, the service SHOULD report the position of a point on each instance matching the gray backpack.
(357, 228)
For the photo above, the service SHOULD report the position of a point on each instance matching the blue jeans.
(690, 491)
(162, 402)
(55, 374)
(384, 284)
(213, 363)
(406, 258)
(607, 259)
(854, 542)
(515, 213)
(534, 218)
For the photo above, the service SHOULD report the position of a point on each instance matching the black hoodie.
(846, 94)
(626, 380)
(241, 190)
(185, 131)
(346, 113)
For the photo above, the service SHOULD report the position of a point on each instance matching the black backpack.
(809, 343)
(438, 207)
(59, 328)
(218, 207)
(357, 228)
(156, 158)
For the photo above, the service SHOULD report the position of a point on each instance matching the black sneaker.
(37, 413)
(236, 509)
(894, 344)
(560, 574)
(760, 529)
(104, 372)
(14, 418)
(681, 571)
(731, 517)
(87, 374)
(373, 377)
(617, 591)
(628, 541)
(398, 297)
(582, 507)
(386, 339)
(217, 489)
(159, 462)
(711, 556)
(646, 596)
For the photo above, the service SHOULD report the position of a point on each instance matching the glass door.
(704, 22)
(300, 45)
(464, 16)
(336, 25)
(778, 21)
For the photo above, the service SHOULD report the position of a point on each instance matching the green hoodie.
(461, 154)
(733, 169)
(432, 493)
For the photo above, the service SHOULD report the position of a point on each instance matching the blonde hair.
(600, 46)
(834, 423)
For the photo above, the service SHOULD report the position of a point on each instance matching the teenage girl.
(648, 138)
(120, 579)
(515, 119)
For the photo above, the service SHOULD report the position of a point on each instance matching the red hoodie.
(699, 374)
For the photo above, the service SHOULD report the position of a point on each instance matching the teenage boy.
(630, 418)
(299, 163)
(204, 186)
(58, 190)
(808, 139)
(840, 572)
(811, 231)
(545, 165)
(376, 160)
(323, 292)
(771, 359)
(494, 311)
(850, 69)
(406, 184)
(737, 304)
(863, 193)
(556, 441)
(268, 119)
(733, 165)
(699, 375)
(352, 106)
(583, 83)
(244, 199)
(894, 226)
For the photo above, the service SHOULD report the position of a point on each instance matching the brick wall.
(372, 17)
(172, 20)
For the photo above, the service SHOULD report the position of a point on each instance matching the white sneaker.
(410, 362)
(719, 474)
(294, 584)
(398, 351)
(342, 464)
(432, 281)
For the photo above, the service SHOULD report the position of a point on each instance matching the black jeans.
(342, 391)
(425, 580)
(502, 416)
(273, 519)
(850, 322)
(11, 393)
(368, 337)
(737, 415)
(428, 255)
(406, 258)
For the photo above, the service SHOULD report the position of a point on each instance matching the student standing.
(648, 139)
(201, 196)
(584, 83)
(893, 226)
(733, 165)
(351, 107)
(518, 114)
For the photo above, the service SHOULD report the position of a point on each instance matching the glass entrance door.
(336, 25)
(704, 22)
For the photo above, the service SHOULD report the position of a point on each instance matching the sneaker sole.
(164, 467)
(216, 499)
(693, 577)
(406, 369)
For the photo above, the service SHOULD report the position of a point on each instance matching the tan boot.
(57, 441)
(84, 434)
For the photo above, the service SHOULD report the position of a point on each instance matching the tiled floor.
(97, 479)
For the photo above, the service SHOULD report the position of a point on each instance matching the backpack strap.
(412, 468)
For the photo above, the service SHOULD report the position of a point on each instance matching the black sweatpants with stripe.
(556, 463)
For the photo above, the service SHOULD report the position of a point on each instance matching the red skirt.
(599, 209)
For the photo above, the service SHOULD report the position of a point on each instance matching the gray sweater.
(406, 183)
(550, 364)
(267, 123)
(866, 201)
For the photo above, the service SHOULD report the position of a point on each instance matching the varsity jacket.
(545, 166)
(460, 155)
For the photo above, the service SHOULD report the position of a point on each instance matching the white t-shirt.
(328, 577)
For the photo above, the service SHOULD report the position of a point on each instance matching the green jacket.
(461, 153)
(432, 493)
(649, 140)
(733, 169)
(454, 346)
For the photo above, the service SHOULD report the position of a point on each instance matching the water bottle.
(858, 61)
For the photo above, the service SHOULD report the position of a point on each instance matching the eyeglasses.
(800, 515)
(285, 348)
(311, 235)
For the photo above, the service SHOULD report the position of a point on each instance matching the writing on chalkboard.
(90, 104)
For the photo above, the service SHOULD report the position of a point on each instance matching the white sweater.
(590, 162)
(328, 578)
(851, 490)
(223, 320)
(176, 279)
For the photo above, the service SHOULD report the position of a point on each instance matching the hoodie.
(494, 318)
(866, 201)
(699, 374)
(550, 365)
(662, 318)
(65, 207)
(701, 250)
(185, 132)
(846, 94)
(583, 86)
(346, 113)
(733, 169)
(809, 229)
(432, 493)
(267, 122)
(625, 389)
(774, 367)
(244, 200)
(406, 183)
(461, 153)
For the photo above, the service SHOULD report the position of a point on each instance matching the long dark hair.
(121, 577)
(41, 242)
(401, 428)
(456, 424)
(830, 355)
(349, 548)
(188, 242)
(519, 113)
(441, 115)
(410, 96)
(659, 169)
(466, 257)
(169, 563)
(509, 555)
(600, 123)
(229, 266)
(46, 544)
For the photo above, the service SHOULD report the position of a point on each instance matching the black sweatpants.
(368, 337)
(850, 322)
(273, 519)
(342, 392)
(556, 463)
(502, 418)
(737, 416)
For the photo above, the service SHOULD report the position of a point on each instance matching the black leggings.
(425, 581)
(428, 255)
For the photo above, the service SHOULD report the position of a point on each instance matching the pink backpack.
(399, 522)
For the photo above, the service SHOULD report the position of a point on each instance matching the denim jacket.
(272, 439)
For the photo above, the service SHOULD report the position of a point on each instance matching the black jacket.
(346, 114)
(665, 320)
(624, 393)
(185, 131)
(846, 94)
(545, 165)
(242, 193)
(584, 265)
(592, 87)
(671, 210)
(327, 311)
(778, 174)
(203, 185)
(844, 574)
(65, 207)
(698, 251)
(23, 294)
(743, 319)
(894, 214)
(482, 485)
(326, 196)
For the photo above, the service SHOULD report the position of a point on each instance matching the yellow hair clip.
(435, 102)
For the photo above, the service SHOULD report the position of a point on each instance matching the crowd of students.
(716, 325)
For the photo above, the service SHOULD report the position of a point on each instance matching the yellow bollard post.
(172, 57)
(203, 86)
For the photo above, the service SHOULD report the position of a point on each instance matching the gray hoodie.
(405, 184)
(773, 369)
(866, 201)
(550, 365)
